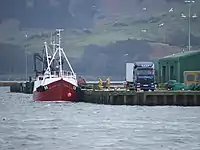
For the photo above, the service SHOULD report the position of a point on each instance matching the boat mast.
(57, 45)
(59, 49)
(62, 51)
(53, 48)
(47, 55)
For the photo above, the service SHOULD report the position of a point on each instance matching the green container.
(172, 67)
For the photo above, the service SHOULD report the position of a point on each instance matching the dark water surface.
(28, 125)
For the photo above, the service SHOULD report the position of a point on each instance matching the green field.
(107, 31)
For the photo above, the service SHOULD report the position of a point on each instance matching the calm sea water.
(28, 125)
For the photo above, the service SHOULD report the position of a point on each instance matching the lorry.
(140, 75)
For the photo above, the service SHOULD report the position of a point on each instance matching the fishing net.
(173, 85)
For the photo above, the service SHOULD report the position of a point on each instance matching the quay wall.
(157, 98)
(126, 97)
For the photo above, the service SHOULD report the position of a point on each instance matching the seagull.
(182, 15)
(161, 25)
(194, 16)
(171, 9)
(144, 30)
(144, 9)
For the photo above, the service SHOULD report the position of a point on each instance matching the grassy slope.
(105, 32)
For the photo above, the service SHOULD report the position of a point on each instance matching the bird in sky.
(171, 9)
(161, 25)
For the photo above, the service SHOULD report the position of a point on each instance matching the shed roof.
(181, 55)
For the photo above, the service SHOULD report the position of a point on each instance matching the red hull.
(57, 91)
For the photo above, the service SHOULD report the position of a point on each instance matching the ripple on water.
(32, 125)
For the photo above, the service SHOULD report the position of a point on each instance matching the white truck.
(129, 74)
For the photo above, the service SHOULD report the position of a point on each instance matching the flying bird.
(144, 9)
(171, 9)
(182, 15)
(161, 25)
(144, 30)
(194, 16)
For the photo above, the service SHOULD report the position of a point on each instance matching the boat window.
(40, 78)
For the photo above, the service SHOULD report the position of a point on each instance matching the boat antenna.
(61, 50)
(51, 39)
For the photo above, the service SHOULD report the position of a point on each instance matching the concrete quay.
(9, 83)
(157, 98)
(117, 96)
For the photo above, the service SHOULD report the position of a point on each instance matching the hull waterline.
(57, 91)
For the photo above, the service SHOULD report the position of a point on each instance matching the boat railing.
(54, 74)
(68, 74)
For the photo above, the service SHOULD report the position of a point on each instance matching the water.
(28, 125)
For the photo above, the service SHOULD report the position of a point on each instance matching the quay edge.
(9, 83)
(157, 98)
(125, 97)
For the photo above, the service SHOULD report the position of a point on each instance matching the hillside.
(104, 37)
(116, 24)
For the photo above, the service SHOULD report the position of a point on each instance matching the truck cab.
(141, 75)
(144, 78)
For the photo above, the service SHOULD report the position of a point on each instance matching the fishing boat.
(55, 83)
